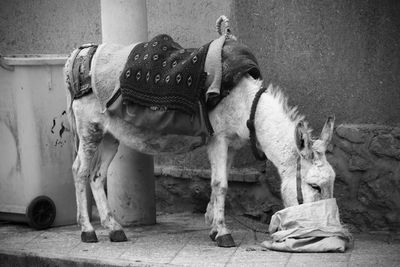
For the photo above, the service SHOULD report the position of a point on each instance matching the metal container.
(36, 184)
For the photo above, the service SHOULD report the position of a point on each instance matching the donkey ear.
(327, 131)
(303, 140)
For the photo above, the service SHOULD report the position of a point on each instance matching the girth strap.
(250, 125)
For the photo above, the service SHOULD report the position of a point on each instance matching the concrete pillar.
(130, 183)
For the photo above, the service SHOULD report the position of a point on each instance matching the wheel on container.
(41, 212)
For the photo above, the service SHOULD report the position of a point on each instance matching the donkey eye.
(315, 187)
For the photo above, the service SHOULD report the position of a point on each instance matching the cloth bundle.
(310, 227)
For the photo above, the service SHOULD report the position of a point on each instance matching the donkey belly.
(170, 144)
(150, 141)
(159, 145)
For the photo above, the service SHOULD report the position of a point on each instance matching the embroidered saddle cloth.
(163, 88)
(162, 75)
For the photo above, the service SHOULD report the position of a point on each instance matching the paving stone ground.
(179, 240)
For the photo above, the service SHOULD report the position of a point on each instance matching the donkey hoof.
(118, 236)
(225, 241)
(213, 235)
(89, 237)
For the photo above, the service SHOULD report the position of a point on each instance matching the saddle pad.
(107, 65)
(162, 75)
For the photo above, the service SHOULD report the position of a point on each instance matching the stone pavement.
(178, 240)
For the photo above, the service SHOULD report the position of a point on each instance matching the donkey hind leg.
(219, 160)
(81, 170)
(107, 150)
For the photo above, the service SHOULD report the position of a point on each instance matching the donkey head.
(317, 175)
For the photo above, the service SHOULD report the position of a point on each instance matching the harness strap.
(83, 70)
(298, 182)
(259, 155)
(78, 75)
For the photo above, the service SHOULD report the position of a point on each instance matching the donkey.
(274, 129)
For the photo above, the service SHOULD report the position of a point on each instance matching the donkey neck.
(275, 127)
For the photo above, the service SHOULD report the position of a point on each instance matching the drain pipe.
(130, 182)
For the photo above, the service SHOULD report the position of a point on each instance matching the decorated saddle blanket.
(110, 61)
(161, 74)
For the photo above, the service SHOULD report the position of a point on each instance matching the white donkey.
(277, 130)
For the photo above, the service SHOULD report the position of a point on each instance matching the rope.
(227, 32)
(247, 226)
(259, 155)
(218, 25)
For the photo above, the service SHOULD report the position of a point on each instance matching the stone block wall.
(366, 159)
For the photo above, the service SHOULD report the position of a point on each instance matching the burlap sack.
(310, 227)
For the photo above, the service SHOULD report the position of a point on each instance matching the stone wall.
(366, 159)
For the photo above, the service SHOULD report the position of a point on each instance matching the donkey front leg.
(107, 151)
(219, 160)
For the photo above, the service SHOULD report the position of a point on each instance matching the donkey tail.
(71, 82)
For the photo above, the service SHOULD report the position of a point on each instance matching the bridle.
(259, 155)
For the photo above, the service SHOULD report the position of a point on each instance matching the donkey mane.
(281, 97)
(292, 112)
